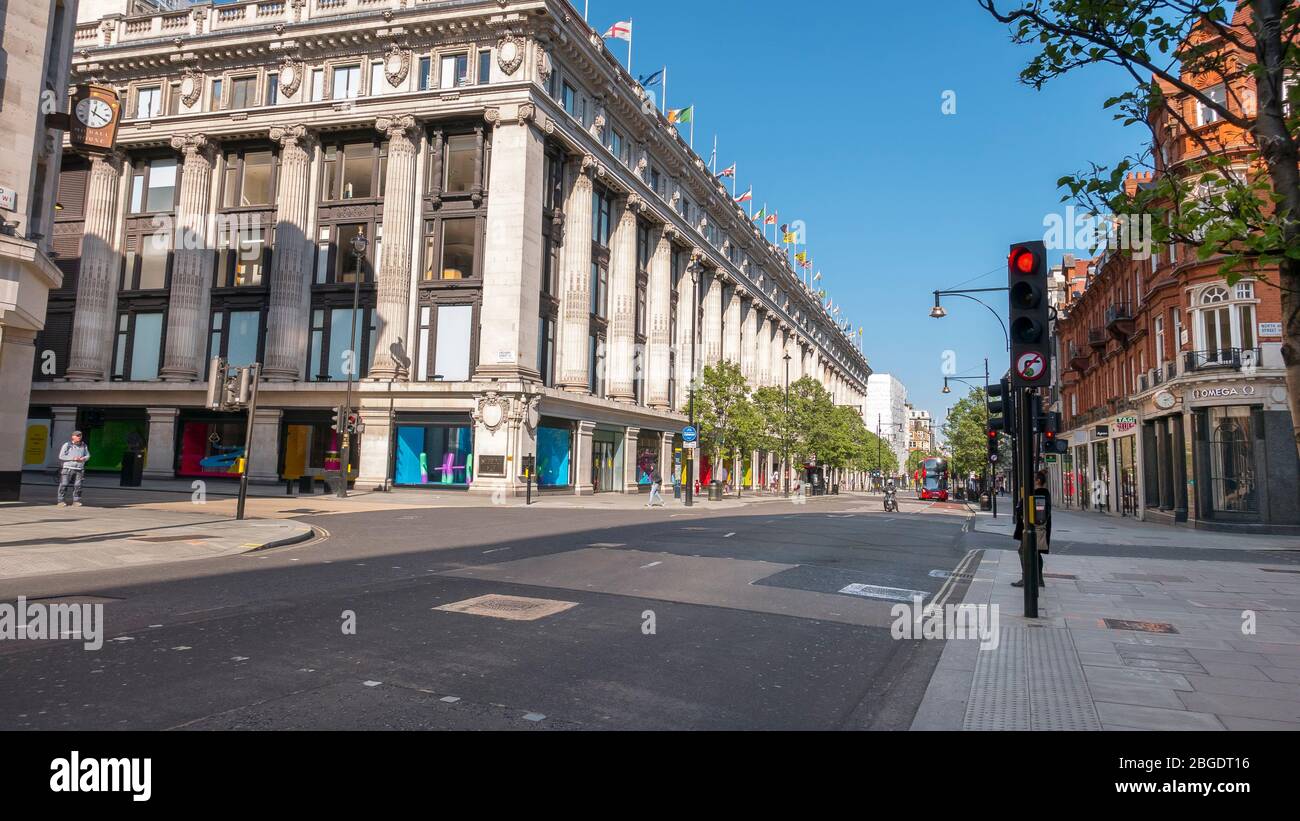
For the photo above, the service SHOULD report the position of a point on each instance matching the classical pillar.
(630, 436)
(732, 333)
(778, 353)
(622, 305)
(288, 303)
(576, 269)
(512, 262)
(374, 463)
(687, 325)
(191, 280)
(748, 338)
(101, 260)
(712, 323)
(160, 452)
(582, 455)
(393, 279)
(666, 461)
(764, 364)
(660, 296)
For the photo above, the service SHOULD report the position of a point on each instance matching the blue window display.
(554, 450)
(435, 455)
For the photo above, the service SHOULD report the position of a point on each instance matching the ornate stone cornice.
(397, 64)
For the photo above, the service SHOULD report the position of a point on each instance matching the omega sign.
(1223, 393)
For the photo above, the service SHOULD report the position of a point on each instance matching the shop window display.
(434, 455)
(554, 452)
(212, 449)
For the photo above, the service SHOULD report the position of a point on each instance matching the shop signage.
(1165, 400)
(8, 199)
(491, 466)
(1270, 329)
(1050, 459)
(1124, 424)
(1223, 392)
(1101, 432)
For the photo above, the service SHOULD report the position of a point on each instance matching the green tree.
(966, 432)
(1248, 221)
(723, 412)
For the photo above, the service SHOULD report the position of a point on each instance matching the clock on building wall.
(96, 111)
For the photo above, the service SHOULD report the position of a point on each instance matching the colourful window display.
(434, 455)
(114, 438)
(647, 456)
(212, 449)
(554, 454)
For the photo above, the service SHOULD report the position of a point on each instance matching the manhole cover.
(872, 591)
(514, 608)
(158, 539)
(1141, 626)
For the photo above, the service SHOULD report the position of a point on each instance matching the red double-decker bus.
(932, 480)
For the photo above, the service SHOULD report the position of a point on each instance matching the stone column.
(778, 354)
(288, 303)
(660, 296)
(688, 331)
(512, 261)
(264, 469)
(748, 338)
(711, 332)
(630, 454)
(575, 267)
(160, 457)
(393, 279)
(732, 334)
(622, 305)
(17, 354)
(582, 454)
(666, 441)
(101, 260)
(764, 363)
(191, 280)
(63, 421)
(374, 463)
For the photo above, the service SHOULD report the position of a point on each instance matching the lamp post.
(359, 244)
(938, 312)
(695, 269)
(785, 430)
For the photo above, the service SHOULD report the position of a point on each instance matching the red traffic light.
(1023, 261)
(993, 434)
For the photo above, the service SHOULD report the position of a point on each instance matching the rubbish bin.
(307, 484)
(715, 491)
(835, 489)
(132, 469)
(986, 503)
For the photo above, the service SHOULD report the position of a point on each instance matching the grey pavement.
(1230, 658)
(1070, 526)
(41, 540)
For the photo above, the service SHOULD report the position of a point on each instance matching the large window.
(354, 171)
(330, 351)
(249, 178)
(445, 344)
(236, 335)
(243, 92)
(148, 253)
(148, 103)
(346, 82)
(1205, 114)
(153, 186)
(454, 71)
(1233, 486)
(434, 455)
(137, 354)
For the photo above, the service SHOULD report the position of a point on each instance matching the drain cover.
(1065, 576)
(1141, 626)
(871, 591)
(1276, 570)
(514, 608)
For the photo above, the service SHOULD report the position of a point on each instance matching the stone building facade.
(36, 46)
(537, 240)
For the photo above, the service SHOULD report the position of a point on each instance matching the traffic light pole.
(256, 369)
(1029, 534)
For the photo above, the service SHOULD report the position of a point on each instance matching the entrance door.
(604, 466)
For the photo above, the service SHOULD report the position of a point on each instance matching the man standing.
(72, 457)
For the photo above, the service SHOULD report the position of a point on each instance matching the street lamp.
(359, 244)
(785, 429)
(695, 269)
(938, 312)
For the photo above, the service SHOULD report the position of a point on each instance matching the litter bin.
(715, 491)
(307, 484)
(986, 503)
(835, 489)
(132, 469)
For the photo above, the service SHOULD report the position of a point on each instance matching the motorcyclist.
(890, 493)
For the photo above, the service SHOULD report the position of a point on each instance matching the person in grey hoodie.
(72, 457)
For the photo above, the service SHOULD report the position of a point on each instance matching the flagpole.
(665, 100)
(630, 32)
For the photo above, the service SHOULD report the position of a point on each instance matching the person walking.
(72, 460)
(656, 486)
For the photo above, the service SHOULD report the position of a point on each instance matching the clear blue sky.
(833, 112)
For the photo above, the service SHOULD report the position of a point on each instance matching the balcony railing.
(1118, 313)
(1222, 358)
(1097, 338)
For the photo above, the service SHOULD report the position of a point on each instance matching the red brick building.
(1171, 382)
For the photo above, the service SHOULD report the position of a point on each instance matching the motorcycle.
(891, 501)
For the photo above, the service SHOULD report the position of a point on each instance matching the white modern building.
(540, 244)
(35, 50)
(886, 413)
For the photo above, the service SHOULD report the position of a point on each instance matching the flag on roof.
(620, 31)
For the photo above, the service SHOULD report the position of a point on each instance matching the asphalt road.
(666, 620)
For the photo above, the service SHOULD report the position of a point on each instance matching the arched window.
(1214, 296)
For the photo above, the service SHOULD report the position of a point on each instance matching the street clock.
(96, 112)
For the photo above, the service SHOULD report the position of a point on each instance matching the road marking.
(729, 535)
(497, 550)
(450, 699)
(607, 545)
(652, 564)
(534, 717)
(945, 592)
(372, 683)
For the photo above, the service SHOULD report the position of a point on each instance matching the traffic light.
(1049, 425)
(993, 447)
(1027, 285)
(216, 384)
(998, 403)
(354, 423)
(336, 424)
